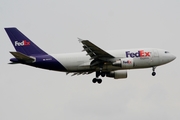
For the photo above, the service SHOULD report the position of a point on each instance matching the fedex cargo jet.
(113, 63)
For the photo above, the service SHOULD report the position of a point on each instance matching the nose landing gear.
(153, 73)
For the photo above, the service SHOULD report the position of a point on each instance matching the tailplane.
(21, 57)
(22, 44)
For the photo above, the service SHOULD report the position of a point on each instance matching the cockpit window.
(166, 52)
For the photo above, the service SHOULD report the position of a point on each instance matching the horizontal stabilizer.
(13, 63)
(22, 57)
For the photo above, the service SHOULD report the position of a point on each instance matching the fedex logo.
(140, 53)
(23, 43)
(127, 62)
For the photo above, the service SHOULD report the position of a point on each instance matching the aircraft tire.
(94, 80)
(153, 73)
(99, 81)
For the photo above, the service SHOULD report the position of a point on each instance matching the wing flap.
(79, 73)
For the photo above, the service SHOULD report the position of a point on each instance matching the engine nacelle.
(117, 74)
(124, 63)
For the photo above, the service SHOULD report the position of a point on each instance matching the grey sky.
(30, 93)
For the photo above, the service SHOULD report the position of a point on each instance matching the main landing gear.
(153, 73)
(98, 80)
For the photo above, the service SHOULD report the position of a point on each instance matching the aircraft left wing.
(94, 51)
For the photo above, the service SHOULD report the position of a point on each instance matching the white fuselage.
(141, 58)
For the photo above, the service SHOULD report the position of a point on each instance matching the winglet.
(80, 40)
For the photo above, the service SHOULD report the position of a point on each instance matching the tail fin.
(23, 44)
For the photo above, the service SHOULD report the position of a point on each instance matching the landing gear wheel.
(153, 73)
(94, 80)
(99, 81)
(98, 73)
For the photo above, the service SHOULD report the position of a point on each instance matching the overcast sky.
(28, 93)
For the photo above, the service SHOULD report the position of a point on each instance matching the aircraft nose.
(173, 57)
(166, 57)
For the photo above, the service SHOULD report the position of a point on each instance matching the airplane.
(112, 63)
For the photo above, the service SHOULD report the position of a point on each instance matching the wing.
(94, 51)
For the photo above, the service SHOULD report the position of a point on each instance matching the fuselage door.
(155, 58)
(155, 53)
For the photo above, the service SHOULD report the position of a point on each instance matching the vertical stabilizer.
(23, 44)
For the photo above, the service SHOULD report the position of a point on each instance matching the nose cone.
(172, 57)
(165, 57)
(169, 58)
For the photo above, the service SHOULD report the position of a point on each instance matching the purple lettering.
(140, 53)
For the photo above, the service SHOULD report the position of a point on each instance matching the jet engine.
(124, 63)
(117, 74)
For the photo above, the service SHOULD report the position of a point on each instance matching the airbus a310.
(113, 63)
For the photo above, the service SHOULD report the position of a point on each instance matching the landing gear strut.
(98, 80)
(153, 73)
